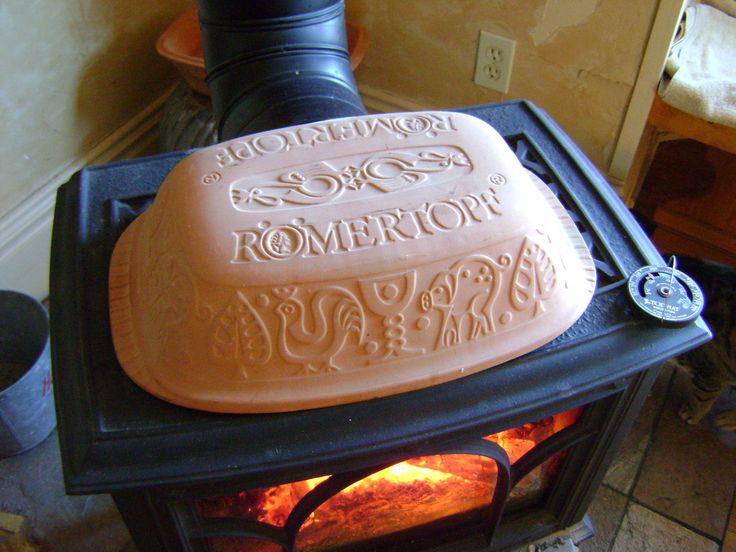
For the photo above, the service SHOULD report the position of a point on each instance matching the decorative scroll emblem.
(324, 181)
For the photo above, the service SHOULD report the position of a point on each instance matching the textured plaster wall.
(577, 59)
(76, 70)
(73, 72)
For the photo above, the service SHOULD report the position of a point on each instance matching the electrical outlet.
(493, 62)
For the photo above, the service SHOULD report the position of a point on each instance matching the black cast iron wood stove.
(156, 458)
(168, 466)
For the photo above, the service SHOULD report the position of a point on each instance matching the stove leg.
(143, 522)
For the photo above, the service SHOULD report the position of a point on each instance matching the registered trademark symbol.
(211, 178)
(497, 178)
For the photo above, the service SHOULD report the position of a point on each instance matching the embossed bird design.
(464, 295)
(314, 336)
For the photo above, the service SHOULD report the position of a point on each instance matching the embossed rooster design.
(324, 181)
(464, 296)
(314, 336)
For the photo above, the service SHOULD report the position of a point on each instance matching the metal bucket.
(26, 397)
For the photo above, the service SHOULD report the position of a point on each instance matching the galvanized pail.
(26, 397)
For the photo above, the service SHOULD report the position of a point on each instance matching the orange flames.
(407, 494)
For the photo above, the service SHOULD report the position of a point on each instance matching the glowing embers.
(406, 495)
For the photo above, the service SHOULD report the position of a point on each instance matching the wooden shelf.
(666, 118)
(664, 121)
(687, 188)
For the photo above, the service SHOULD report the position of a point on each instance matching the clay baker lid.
(340, 261)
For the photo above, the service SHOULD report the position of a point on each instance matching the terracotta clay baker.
(340, 261)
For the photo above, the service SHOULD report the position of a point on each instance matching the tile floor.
(672, 485)
(670, 489)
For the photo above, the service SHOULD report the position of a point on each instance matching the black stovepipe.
(275, 63)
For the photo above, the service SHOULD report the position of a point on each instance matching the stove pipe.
(276, 63)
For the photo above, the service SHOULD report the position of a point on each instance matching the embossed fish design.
(314, 336)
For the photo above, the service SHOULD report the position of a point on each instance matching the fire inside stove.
(405, 495)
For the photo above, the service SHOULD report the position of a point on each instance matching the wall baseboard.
(25, 232)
